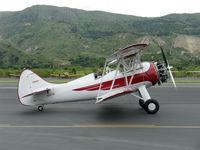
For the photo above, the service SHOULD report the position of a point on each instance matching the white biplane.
(130, 76)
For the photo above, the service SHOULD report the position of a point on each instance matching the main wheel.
(40, 108)
(141, 103)
(151, 106)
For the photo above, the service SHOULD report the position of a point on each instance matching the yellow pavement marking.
(4, 125)
(100, 126)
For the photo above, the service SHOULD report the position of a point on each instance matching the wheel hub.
(152, 106)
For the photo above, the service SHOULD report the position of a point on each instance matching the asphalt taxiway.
(116, 124)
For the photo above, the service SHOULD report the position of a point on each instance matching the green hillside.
(10, 56)
(51, 36)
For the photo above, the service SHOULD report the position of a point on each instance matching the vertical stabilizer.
(30, 84)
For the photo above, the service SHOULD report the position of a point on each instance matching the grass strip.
(185, 81)
(8, 81)
(48, 81)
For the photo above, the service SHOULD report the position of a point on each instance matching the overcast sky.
(145, 8)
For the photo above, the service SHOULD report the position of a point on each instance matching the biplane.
(66, 75)
(130, 76)
(13, 75)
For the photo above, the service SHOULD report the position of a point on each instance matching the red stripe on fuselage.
(150, 76)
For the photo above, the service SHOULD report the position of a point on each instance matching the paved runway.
(117, 124)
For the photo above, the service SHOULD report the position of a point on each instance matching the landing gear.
(151, 106)
(40, 108)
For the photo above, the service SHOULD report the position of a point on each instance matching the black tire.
(40, 108)
(141, 103)
(151, 106)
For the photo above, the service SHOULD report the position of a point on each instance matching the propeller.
(164, 57)
(168, 67)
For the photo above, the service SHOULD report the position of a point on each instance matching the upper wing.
(127, 52)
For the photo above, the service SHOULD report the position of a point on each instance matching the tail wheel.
(151, 106)
(40, 108)
(141, 103)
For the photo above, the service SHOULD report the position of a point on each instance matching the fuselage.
(87, 87)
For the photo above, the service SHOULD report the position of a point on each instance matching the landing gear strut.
(40, 108)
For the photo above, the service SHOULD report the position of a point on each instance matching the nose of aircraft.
(162, 70)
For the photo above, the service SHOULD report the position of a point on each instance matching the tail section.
(31, 84)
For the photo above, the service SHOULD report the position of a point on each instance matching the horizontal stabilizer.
(37, 92)
(113, 94)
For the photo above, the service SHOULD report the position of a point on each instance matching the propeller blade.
(172, 78)
(164, 57)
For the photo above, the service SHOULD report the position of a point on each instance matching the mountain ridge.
(61, 35)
